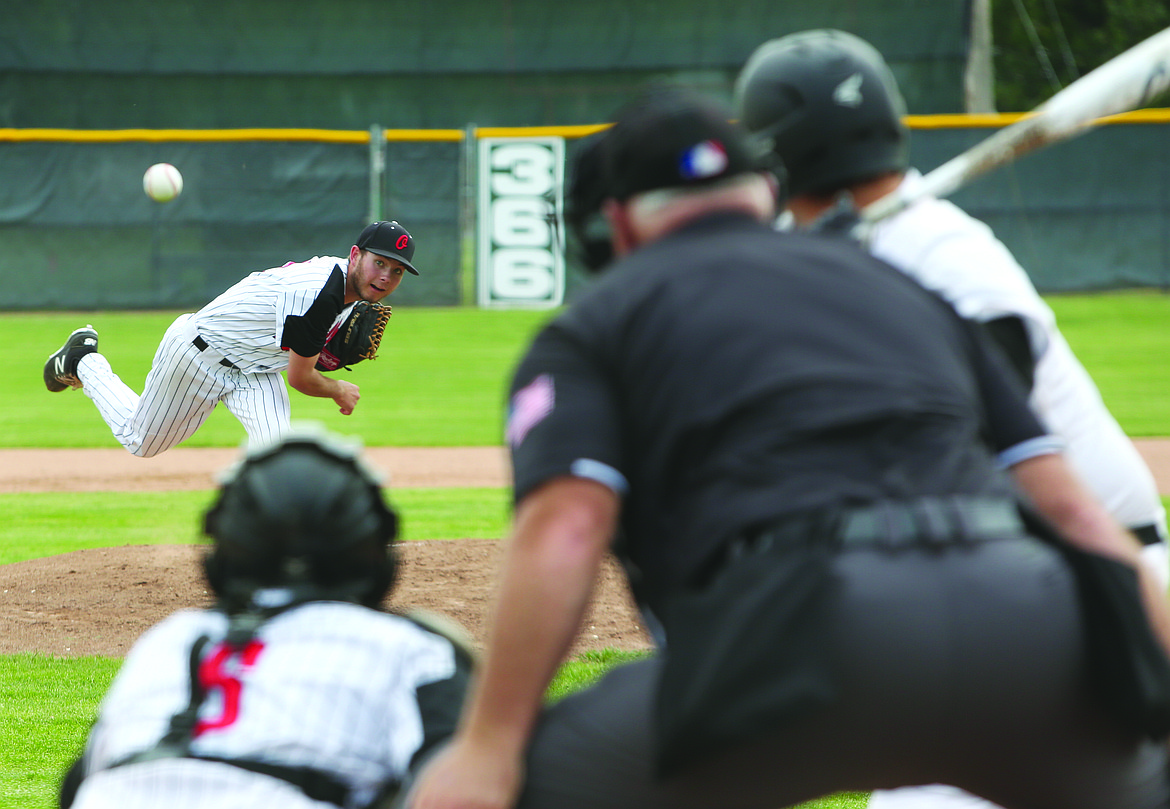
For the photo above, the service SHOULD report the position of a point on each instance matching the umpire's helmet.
(304, 514)
(829, 106)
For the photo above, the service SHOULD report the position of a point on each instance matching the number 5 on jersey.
(219, 675)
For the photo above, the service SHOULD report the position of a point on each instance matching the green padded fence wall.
(77, 231)
(1091, 213)
(347, 64)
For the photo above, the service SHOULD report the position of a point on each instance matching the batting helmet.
(828, 105)
(305, 514)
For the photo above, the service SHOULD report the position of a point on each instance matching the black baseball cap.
(388, 239)
(671, 137)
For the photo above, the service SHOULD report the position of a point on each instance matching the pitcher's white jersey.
(327, 685)
(253, 321)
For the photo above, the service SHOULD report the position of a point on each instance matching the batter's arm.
(304, 377)
(1058, 494)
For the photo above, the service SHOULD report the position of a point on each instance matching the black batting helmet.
(304, 514)
(828, 106)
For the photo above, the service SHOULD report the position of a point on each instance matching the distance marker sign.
(521, 218)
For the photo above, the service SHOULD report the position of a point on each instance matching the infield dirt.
(97, 602)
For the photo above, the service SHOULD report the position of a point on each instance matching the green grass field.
(1123, 340)
(439, 379)
(440, 383)
(441, 375)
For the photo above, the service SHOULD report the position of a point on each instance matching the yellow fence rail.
(992, 120)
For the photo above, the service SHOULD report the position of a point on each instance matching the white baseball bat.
(1125, 82)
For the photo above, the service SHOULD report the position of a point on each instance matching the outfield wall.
(77, 231)
(342, 64)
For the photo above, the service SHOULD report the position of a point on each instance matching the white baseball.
(162, 182)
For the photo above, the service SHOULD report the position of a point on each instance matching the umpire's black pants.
(962, 666)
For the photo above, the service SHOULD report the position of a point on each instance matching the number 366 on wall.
(520, 214)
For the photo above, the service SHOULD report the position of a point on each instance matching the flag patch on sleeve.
(529, 406)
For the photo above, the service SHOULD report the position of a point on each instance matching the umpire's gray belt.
(922, 522)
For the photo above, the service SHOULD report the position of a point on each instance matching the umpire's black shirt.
(729, 374)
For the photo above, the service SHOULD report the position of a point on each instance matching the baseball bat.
(1125, 82)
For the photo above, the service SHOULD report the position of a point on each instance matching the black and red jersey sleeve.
(307, 334)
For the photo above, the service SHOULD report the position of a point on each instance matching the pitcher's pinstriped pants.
(181, 390)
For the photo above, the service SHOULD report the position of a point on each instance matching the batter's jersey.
(293, 307)
(333, 686)
(957, 256)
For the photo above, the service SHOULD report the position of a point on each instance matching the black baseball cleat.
(61, 367)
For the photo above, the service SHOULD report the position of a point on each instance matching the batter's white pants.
(183, 387)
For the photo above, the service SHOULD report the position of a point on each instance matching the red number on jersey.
(217, 672)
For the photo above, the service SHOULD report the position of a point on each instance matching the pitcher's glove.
(357, 338)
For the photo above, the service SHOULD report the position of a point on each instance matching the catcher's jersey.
(958, 257)
(333, 686)
(293, 307)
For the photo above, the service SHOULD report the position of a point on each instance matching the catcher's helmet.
(829, 107)
(304, 514)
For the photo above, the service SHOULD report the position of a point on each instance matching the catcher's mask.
(305, 517)
(825, 102)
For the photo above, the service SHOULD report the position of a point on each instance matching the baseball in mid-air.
(162, 182)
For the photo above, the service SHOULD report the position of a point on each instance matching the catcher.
(295, 690)
(302, 318)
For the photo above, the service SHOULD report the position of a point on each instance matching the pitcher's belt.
(201, 344)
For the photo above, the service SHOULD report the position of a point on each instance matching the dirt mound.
(97, 602)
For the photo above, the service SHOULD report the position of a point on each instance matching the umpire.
(798, 453)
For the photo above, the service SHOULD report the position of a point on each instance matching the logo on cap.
(703, 160)
(403, 240)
